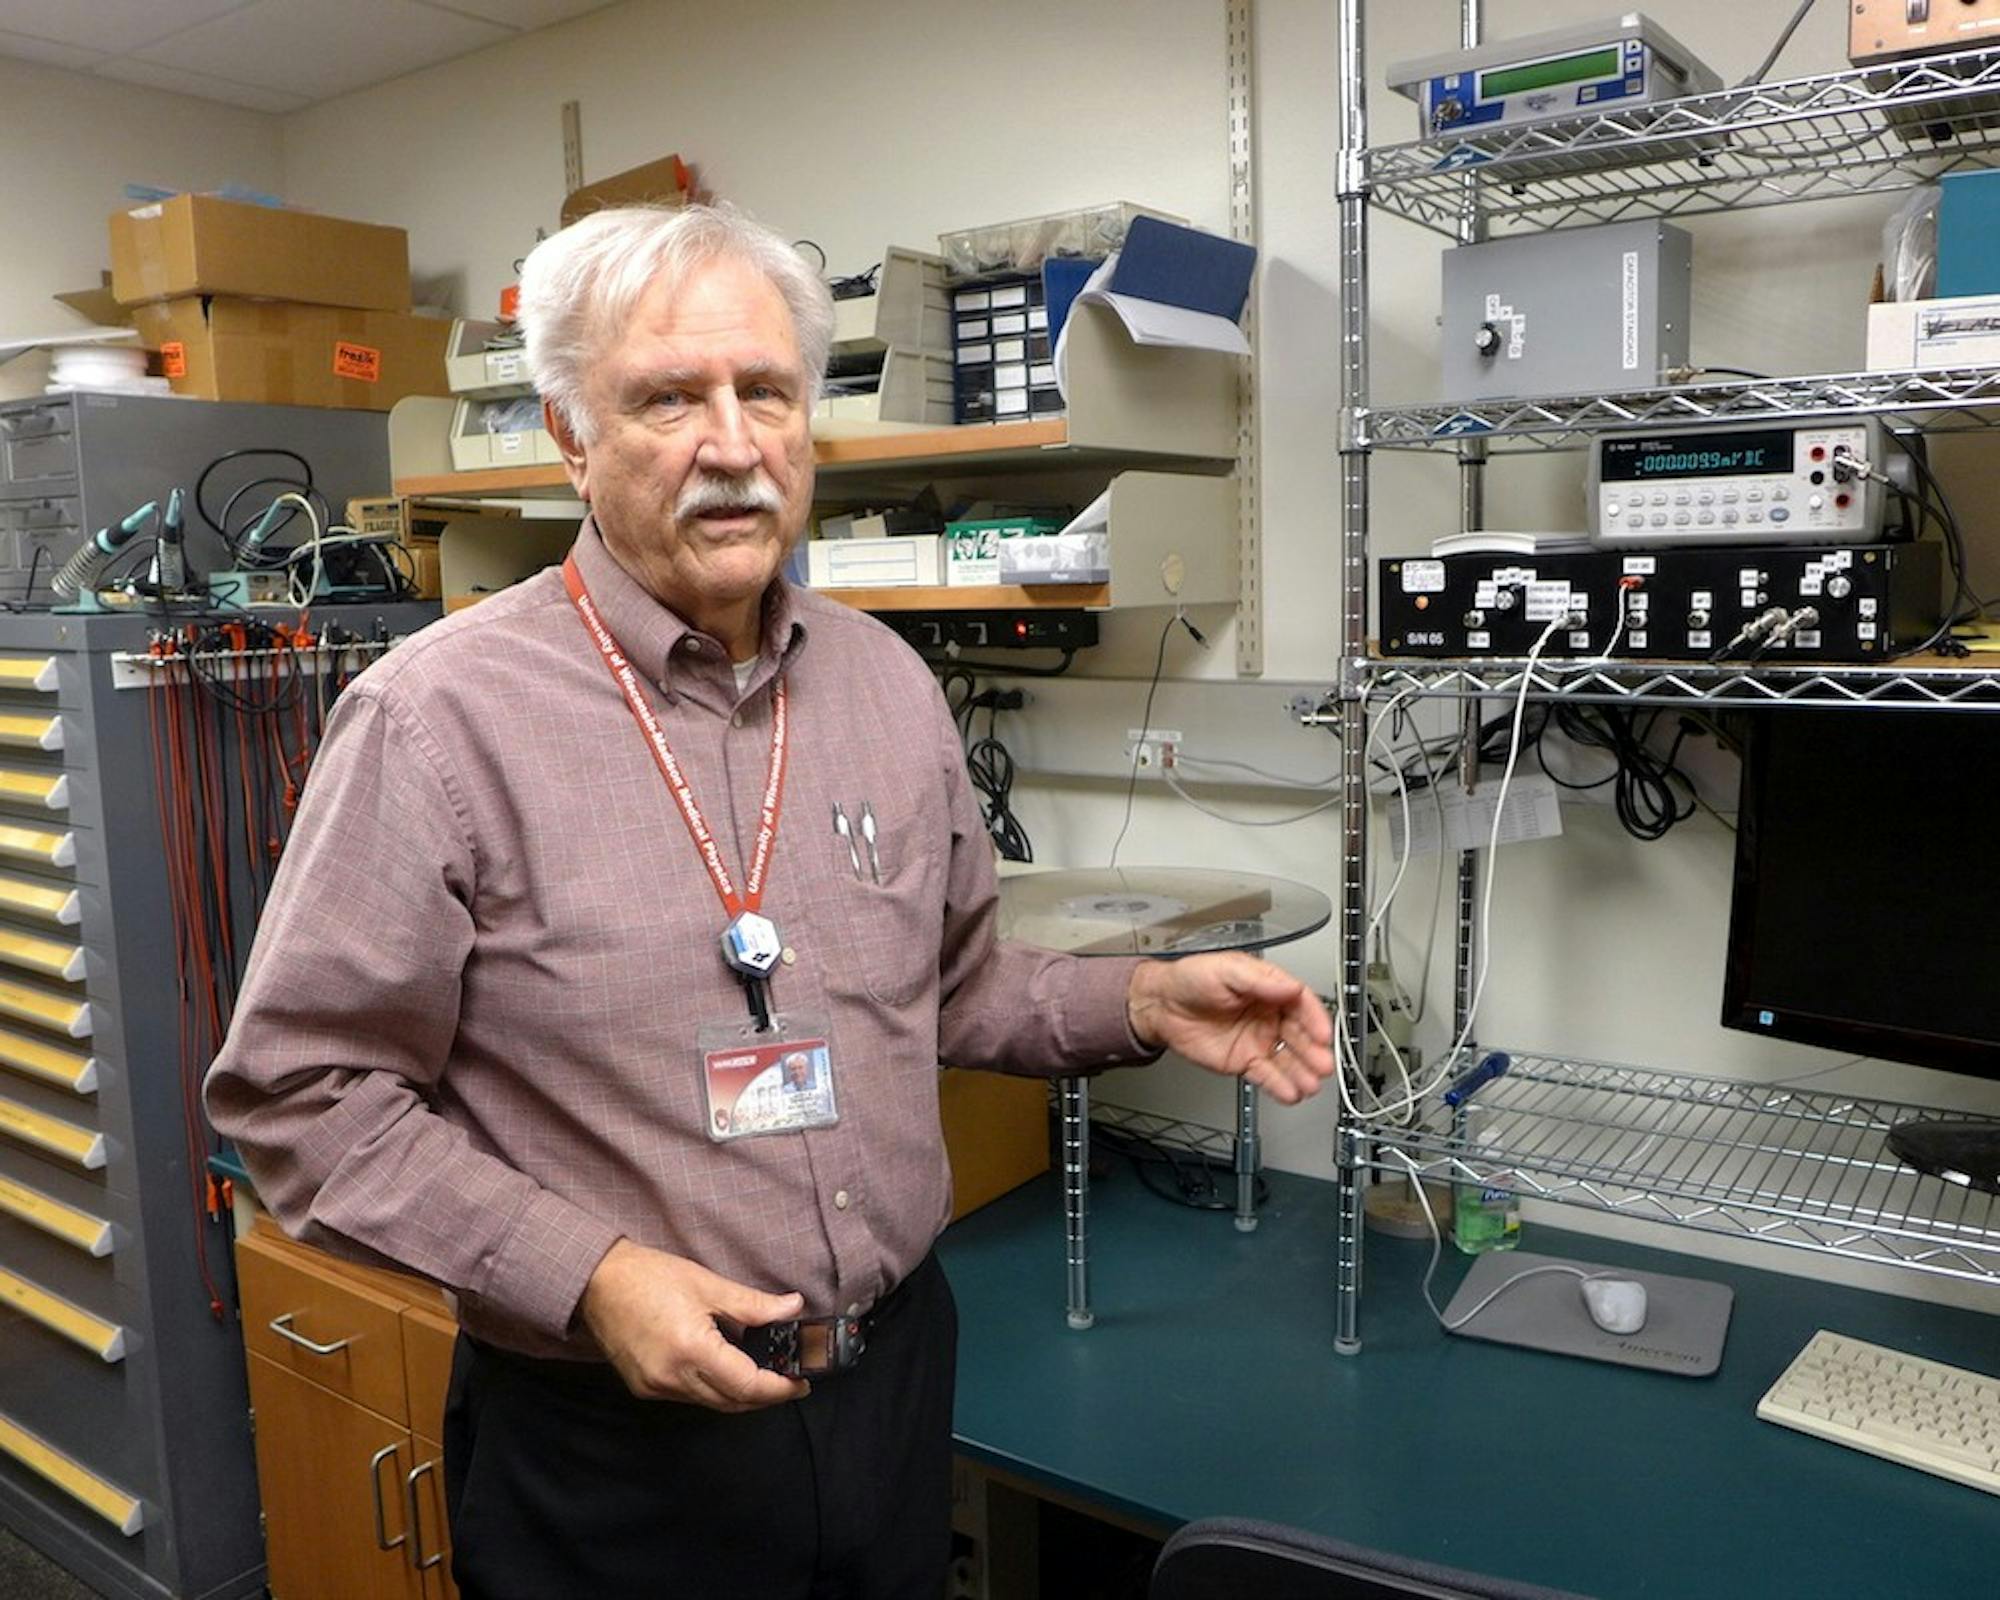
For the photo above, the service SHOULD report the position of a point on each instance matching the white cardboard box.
(1925, 334)
(909, 561)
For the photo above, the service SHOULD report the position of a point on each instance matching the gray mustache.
(709, 493)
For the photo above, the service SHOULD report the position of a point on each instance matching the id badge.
(779, 1081)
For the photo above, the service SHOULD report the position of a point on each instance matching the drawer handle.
(422, 1562)
(382, 1539)
(282, 1327)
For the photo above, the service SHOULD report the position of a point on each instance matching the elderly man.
(564, 885)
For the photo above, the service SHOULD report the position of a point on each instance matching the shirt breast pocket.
(895, 927)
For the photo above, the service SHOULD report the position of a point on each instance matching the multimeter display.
(1718, 456)
(1547, 74)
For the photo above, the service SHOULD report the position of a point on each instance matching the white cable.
(1183, 759)
(1174, 784)
(1451, 1056)
(1421, 1003)
(1448, 1063)
(1437, 1251)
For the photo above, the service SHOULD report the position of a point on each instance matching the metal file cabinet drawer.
(37, 443)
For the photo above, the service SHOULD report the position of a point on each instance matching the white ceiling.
(268, 55)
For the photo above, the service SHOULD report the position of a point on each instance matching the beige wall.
(73, 143)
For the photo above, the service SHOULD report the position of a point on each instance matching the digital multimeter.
(1624, 61)
(1738, 483)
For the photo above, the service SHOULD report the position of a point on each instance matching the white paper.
(1148, 322)
(1093, 518)
(1533, 812)
(10, 348)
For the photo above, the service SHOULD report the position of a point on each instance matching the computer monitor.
(1866, 911)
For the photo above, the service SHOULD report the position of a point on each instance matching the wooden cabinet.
(348, 1373)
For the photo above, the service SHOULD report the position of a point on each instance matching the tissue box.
(972, 549)
(1057, 558)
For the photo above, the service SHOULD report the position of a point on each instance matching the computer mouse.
(1617, 1305)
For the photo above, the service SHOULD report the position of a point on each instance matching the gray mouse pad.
(1686, 1318)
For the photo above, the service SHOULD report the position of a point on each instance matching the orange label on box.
(356, 361)
(174, 359)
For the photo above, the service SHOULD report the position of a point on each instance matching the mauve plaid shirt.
(467, 1046)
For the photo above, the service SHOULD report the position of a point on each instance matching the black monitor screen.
(1866, 913)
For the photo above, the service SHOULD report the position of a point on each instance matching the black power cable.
(988, 762)
(1186, 1177)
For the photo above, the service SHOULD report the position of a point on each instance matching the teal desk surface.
(1210, 1386)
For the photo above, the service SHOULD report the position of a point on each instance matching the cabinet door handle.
(282, 1327)
(382, 1539)
(418, 1559)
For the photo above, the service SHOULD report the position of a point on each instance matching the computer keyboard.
(1901, 1407)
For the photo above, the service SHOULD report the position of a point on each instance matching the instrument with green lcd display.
(1611, 65)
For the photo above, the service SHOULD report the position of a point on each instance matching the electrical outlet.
(1151, 750)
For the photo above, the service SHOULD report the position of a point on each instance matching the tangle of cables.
(235, 712)
(988, 762)
(252, 528)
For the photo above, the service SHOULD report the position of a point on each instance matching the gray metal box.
(1565, 313)
(71, 463)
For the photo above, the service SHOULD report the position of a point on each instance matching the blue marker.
(1494, 1063)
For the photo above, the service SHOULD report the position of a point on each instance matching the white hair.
(578, 288)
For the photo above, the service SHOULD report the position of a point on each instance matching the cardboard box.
(1961, 332)
(98, 305)
(197, 244)
(660, 183)
(909, 561)
(972, 549)
(378, 514)
(429, 574)
(996, 1131)
(294, 355)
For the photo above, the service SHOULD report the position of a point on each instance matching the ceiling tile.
(107, 26)
(523, 14)
(310, 50)
(22, 48)
(250, 96)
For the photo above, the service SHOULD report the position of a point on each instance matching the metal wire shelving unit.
(1763, 1162)
(1863, 131)
(1941, 400)
(1744, 1160)
(1942, 687)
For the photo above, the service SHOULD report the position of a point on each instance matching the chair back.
(1232, 1558)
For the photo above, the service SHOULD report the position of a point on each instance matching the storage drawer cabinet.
(331, 1475)
(37, 444)
(348, 1457)
(342, 1335)
(137, 1473)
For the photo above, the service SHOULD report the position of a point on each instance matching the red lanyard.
(627, 680)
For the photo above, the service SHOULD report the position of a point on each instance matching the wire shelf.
(1942, 400)
(1167, 1132)
(1753, 1161)
(1889, 688)
(1866, 130)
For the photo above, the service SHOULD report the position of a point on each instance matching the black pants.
(561, 1485)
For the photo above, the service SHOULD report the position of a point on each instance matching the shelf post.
(1354, 462)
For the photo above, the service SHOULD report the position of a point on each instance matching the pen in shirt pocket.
(841, 827)
(868, 838)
